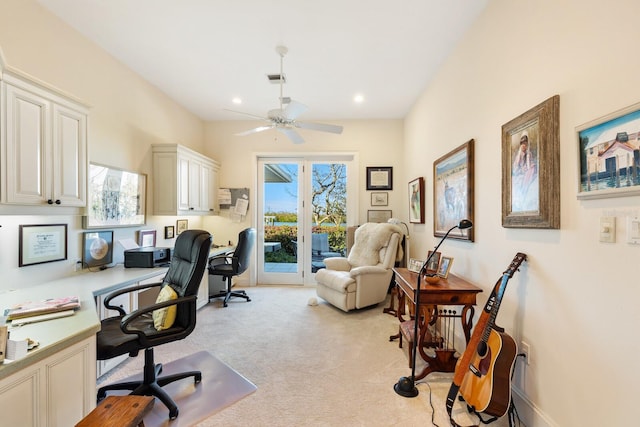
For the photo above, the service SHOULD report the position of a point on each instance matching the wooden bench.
(119, 411)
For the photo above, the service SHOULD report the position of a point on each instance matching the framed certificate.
(42, 243)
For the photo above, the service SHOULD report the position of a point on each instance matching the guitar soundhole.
(482, 349)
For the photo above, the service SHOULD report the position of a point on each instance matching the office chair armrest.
(227, 256)
(112, 295)
(127, 319)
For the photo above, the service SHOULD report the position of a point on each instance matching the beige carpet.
(313, 365)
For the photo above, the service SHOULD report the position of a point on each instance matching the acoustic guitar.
(483, 373)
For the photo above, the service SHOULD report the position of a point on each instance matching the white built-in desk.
(55, 384)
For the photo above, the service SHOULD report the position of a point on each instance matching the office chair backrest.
(188, 262)
(242, 254)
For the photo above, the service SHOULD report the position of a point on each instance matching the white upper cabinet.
(44, 146)
(184, 182)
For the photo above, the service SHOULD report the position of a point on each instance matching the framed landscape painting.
(453, 192)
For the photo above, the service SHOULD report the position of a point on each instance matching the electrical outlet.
(526, 350)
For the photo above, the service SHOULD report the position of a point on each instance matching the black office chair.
(235, 264)
(130, 333)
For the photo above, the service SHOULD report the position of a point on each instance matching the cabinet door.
(69, 156)
(207, 186)
(195, 186)
(27, 141)
(70, 384)
(20, 397)
(183, 184)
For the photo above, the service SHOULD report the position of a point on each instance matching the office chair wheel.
(197, 378)
(101, 394)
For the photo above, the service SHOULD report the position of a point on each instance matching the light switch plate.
(633, 230)
(608, 229)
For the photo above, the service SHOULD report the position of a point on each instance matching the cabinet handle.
(50, 201)
(190, 209)
(57, 202)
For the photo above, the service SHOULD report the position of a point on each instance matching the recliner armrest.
(368, 269)
(337, 263)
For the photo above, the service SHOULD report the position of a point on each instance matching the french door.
(303, 211)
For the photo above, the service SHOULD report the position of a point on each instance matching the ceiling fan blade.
(319, 126)
(294, 110)
(292, 135)
(247, 114)
(254, 130)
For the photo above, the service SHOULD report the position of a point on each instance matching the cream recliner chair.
(363, 278)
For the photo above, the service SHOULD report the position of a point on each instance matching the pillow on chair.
(163, 318)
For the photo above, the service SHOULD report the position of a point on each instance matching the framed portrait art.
(453, 192)
(609, 153)
(531, 168)
(416, 201)
(434, 262)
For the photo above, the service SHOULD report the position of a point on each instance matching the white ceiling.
(203, 53)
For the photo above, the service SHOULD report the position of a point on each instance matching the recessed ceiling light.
(236, 100)
(358, 98)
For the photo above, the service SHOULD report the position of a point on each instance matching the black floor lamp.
(406, 386)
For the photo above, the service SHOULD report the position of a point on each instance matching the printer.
(147, 257)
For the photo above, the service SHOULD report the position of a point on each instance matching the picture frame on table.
(453, 191)
(416, 201)
(379, 198)
(531, 168)
(415, 265)
(607, 153)
(181, 225)
(147, 238)
(169, 232)
(445, 266)
(97, 248)
(379, 178)
(378, 215)
(41, 243)
(434, 263)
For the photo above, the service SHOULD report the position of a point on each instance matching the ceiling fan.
(283, 119)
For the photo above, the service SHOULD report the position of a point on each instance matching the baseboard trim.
(529, 413)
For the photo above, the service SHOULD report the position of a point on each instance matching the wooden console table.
(453, 291)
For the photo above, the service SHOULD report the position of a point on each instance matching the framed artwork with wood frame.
(445, 266)
(453, 191)
(434, 263)
(416, 201)
(531, 168)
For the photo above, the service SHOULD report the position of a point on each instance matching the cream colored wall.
(574, 300)
(127, 115)
(376, 142)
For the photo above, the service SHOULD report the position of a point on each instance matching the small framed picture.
(146, 238)
(445, 266)
(434, 263)
(416, 201)
(97, 248)
(378, 216)
(379, 198)
(415, 265)
(181, 225)
(169, 232)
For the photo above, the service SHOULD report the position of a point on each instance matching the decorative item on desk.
(445, 266)
(146, 238)
(406, 386)
(97, 248)
(434, 263)
(432, 278)
(415, 265)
